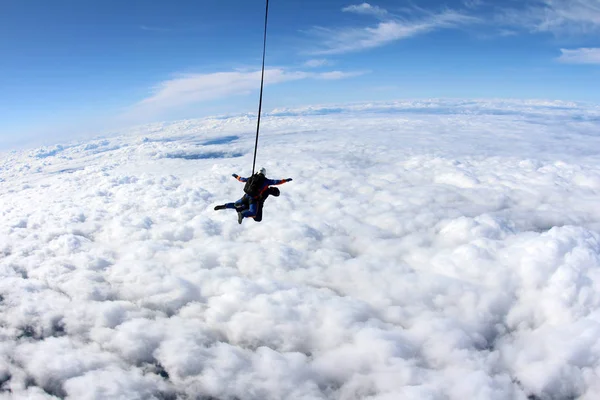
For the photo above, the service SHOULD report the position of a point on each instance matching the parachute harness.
(262, 79)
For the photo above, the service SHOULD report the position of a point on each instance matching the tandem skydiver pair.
(256, 190)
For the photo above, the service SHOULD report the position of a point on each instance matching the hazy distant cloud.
(174, 29)
(332, 75)
(154, 28)
(317, 63)
(507, 32)
(335, 41)
(472, 3)
(366, 8)
(557, 16)
(580, 56)
(193, 88)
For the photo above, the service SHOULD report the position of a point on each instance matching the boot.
(240, 217)
(220, 207)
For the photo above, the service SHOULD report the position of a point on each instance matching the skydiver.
(257, 189)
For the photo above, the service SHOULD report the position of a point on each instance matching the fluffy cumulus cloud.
(580, 56)
(424, 250)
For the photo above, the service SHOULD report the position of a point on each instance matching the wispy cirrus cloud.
(193, 88)
(580, 56)
(344, 40)
(556, 16)
(188, 89)
(553, 16)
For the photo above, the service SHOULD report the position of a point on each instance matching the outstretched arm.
(239, 178)
(272, 182)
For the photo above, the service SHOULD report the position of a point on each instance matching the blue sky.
(77, 66)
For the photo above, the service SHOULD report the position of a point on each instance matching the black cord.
(262, 79)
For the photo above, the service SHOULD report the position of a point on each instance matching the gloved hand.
(288, 180)
(235, 176)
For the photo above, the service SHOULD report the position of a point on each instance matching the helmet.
(262, 171)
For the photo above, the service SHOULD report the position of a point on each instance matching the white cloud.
(334, 75)
(473, 3)
(154, 28)
(337, 41)
(317, 63)
(560, 17)
(193, 88)
(582, 14)
(367, 9)
(580, 56)
(463, 263)
(557, 16)
(507, 32)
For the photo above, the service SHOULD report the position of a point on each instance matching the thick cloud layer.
(430, 250)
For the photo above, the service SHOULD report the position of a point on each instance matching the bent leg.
(272, 191)
(251, 211)
(241, 203)
(237, 203)
(259, 210)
